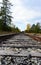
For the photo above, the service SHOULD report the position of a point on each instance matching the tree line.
(34, 28)
(6, 18)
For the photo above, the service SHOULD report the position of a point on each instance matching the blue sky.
(26, 11)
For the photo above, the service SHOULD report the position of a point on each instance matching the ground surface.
(19, 47)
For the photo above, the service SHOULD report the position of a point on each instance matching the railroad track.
(19, 41)
(19, 46)
(35, 37)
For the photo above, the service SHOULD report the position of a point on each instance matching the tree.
(37, 28)
(5, 14)
(17, 29)
(28, 27)
(32, 28)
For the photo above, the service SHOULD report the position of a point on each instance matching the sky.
(25, 12)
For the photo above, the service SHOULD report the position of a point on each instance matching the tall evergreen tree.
(37, 28)
(5, 14)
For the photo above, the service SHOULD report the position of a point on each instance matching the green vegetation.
(28, 27)
(34, 28)
(6, 18)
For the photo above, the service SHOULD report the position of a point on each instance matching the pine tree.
(5, 13)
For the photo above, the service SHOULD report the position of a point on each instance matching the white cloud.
(21, 13)
(37, 21)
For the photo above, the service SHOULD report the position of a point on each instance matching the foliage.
(28, 27)
(5, 19)
(15, 29)
(34, 28)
